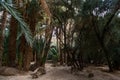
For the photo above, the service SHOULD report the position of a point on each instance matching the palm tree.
(25, 29)
(31, 18)
(17, 16)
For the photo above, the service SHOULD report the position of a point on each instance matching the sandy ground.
(63, 73)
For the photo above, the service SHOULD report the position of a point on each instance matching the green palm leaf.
(24, 27)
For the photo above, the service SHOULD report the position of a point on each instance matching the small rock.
(39, 71)
(90, 75)
(34, 76)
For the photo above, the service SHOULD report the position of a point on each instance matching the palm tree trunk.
(28, 55)
(61, 44)
(25, 49)
(3, 25)
(65, 43)
(48, 34)
(12, 42)
(46, 48)
(45, 7)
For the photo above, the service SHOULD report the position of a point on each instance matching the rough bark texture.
(4, 19)
(12, 42)
(25, 49)
(49, 33)
(28, 55)
(45, 7)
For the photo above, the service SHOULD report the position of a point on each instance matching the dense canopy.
(75, 33)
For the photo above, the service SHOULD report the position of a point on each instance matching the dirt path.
(63, 73)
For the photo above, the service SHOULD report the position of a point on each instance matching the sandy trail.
(63, 73)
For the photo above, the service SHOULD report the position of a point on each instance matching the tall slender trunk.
(65, 44)
(12, 42)
(48, 34)
(57, 41)
(60, 37)
(3, 25)
(101, 41)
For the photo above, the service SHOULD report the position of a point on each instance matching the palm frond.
(24, 27)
